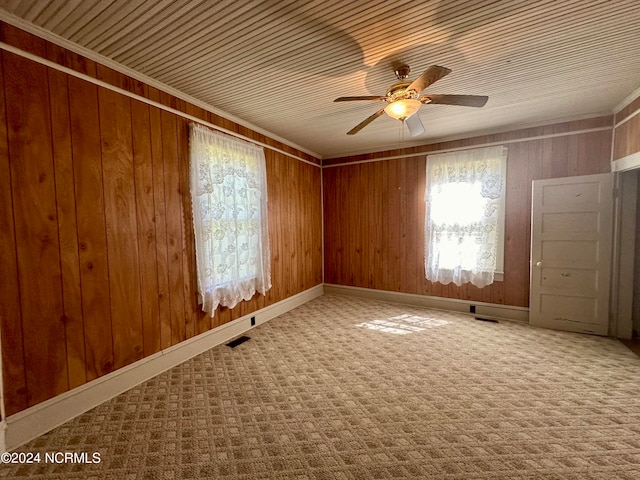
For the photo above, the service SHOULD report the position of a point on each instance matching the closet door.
(571, 239)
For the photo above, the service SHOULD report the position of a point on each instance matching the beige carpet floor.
(345, 388)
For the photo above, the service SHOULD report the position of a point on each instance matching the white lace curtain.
(229, 198)
(464, 200)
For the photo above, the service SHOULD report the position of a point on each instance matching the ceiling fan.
(404, 99)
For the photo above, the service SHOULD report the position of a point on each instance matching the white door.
(571, 237)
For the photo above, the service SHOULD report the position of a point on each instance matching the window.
(229, 198)
(464, 222)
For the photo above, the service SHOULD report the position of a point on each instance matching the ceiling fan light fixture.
(403, 108)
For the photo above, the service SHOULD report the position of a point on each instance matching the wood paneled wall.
(627, 134)
(97, 264)
(374, 211)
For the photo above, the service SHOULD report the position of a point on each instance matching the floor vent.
(487, 319)
(238, 341)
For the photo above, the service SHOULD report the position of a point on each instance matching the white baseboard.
(39, 419)
(491, 311)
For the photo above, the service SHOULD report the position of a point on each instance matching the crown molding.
(106, 61)
(627, 100)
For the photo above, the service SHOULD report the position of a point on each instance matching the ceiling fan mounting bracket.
(402, 72)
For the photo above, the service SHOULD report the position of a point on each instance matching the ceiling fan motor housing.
(398, 91)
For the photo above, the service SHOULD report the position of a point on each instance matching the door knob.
(538, 264)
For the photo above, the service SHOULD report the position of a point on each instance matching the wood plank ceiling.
(278, 65)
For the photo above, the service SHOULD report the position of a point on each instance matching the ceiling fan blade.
(366, 122)
(430, 75)
(462, 100)
(414, 124)
(351, 99)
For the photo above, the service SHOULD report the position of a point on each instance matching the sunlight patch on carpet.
(403, 324)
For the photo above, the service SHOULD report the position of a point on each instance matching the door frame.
(623, 255)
